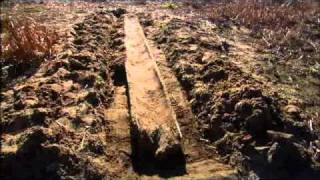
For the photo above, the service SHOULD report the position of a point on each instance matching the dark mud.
(238, 114)
(53, 124)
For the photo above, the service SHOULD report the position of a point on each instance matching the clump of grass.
(25, 44)
(170, 5)
(25, 39)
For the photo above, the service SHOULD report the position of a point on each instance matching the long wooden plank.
(151, 113)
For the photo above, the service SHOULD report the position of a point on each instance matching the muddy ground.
(70, 117)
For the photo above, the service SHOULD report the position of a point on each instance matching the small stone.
(292, 109)
(69, 111)
(88, 119)
(55, 87)
(67, 85)
(193, 47)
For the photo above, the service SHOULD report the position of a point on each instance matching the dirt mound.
(53, 123)
(235, 112)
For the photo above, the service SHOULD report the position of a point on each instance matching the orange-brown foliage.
(273, 15)
(26, 39)
(275, 23)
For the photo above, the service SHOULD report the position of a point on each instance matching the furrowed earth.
(139, 91)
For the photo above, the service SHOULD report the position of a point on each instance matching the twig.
(313, 45)
(82, 141)
(264, 39)
(211, 147)
(310, 124)
(205, 140)
(61, 125)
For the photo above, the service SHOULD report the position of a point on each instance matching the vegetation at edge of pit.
(170, 5)
(26, 38)
(288, 29)
(26, 42)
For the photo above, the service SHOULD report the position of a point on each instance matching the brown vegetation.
(273, 16)
(276, 25)
(26, 39)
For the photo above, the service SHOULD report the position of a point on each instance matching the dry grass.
(270, 15)
(287, 28)
(25, 39)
